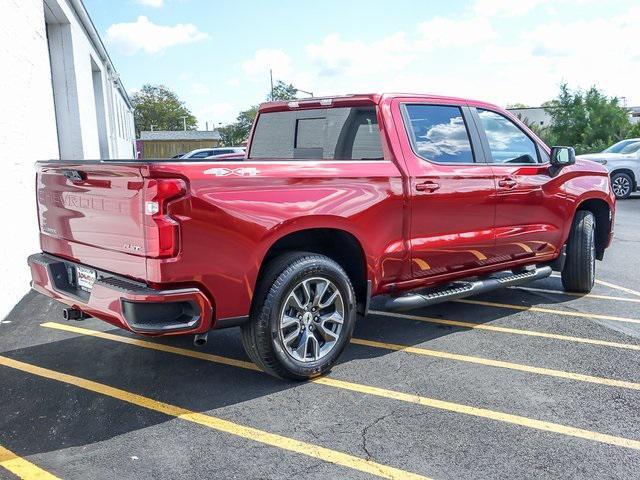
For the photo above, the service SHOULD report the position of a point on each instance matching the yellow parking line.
(254, 434)
(485, 413)
(391, 394)
(22, 468)
(516, 331)
(610, 382)
(498, 363)
(607, 284)
(153, 345)
(357, 341)
(580, 295)
(618, 287)
(547, 310)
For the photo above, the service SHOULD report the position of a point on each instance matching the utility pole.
(271, 78)
(184, 122)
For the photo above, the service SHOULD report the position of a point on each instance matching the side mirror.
(562, 156)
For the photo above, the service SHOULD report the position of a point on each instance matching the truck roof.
(358, 99)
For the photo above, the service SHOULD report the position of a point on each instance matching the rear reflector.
(162, 232)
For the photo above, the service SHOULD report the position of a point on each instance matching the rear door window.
(438, 133)
(347, 133)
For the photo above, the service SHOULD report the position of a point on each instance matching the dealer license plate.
(86, 277)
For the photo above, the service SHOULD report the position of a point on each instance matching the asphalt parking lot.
(520, 383)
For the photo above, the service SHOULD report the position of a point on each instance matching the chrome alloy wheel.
(621, 186)
(311, 319)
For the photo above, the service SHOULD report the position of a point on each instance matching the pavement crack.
(365, 431)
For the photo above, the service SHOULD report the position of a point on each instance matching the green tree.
(246, 117)
(283, 91)
(237, 132)
(634, 132)
(589, 121)
(539, 130)
(158, 106)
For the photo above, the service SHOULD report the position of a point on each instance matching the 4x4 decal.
(224, 172)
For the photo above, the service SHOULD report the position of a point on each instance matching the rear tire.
(302, 318)
(622, 185)
(579, 272)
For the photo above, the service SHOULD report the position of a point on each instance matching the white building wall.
(86, 59)
(29, 128)
(539, 116)
(533, 116)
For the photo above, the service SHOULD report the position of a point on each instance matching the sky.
(216, 54)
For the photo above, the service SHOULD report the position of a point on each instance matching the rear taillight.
(161, 231)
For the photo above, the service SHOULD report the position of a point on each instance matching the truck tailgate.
(93, 213)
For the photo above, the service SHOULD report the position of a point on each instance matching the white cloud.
(601, 39)
(501, 60)
(514, 8)
(444, 138)
(445, 32)
(335, 56)
(215, 113)
(144, 35)
(509, 8)
(527, 67)
(602, 52)
(265, 59)
(151, 3)
(200, 88)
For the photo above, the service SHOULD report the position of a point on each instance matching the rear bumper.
(123, 302)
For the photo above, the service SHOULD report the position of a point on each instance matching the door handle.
(427, 186)
(507, 183)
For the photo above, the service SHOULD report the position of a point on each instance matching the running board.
(464, 289)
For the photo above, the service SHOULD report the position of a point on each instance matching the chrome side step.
(464, 289)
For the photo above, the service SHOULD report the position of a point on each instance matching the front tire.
(302, 317)
(579, 272)
(622, 185)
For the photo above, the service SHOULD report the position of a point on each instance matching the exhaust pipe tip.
(200, 339)
(73, 314)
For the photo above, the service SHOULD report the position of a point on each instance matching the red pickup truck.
(418, 197)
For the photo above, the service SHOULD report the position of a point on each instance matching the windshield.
(632, 148)
(617, 147)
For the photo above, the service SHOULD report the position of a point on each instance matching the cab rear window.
(348, 133)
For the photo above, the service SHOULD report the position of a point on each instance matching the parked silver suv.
(622, 159)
